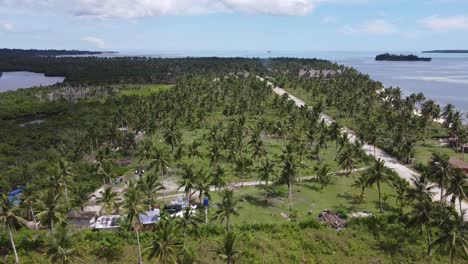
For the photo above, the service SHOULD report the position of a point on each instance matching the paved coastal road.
(391, 162)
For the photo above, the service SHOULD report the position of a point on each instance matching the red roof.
(458, 163)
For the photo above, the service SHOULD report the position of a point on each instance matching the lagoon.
(10, 81)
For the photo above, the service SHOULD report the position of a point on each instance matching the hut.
(459, 164)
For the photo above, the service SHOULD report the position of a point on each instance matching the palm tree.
(378, 174)
(62, 246)
(227, 207)
(266, 172)
(256, 143)
(10, 219)
(161, 159)
(172, 136)
(188, 220)
(324, 175)
(289, 171)
(188, 181)
(227, 248)
(421, 218)
(109, 199)
(166, 244)
(346, 160)
(194, 151)
(203, 183)
(150, 185)
(401, 187)
(440, 170)
(133, 208)
(242, 167)
(453, 236)
(80, 197)
(456, 187)
(29, 196)
(361, 183)
(50, 208)
(145, 152)
(218, 178)
(65, 168)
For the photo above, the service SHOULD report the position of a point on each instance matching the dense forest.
(214, 132)
(94, 70)
(401, 57)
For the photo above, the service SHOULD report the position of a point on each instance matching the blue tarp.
(15, 192)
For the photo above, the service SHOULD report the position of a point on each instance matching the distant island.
(401, 57)
(44, 53)
(445, 51)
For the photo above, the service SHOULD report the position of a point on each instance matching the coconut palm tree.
(242, 167)
(166, 244)
(150, 185)
(9, 218)
(133, 207)
(258, 148)
(29, 196)
(80, 197)
(50, 208)
(401, 187)
(203, 183)
(266, 173)
(109, 200)
(227, 248)
(188, 181)
(188, 220)
(218, 178)
(376, 175)
(172, 136)
(227, 207)
(193, 151)
(346, 160)
(324, 175)
(361, 183)
(456, 186)
(440, 170)
(289, 171)
(453, 236)
(161, 159)
(62, 246)
(421, 217)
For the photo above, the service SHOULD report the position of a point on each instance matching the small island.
(445, 51)
(401, 57)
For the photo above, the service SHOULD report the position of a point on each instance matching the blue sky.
(234, 25)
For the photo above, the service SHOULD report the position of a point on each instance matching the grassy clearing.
(143, 90)
(307, 197)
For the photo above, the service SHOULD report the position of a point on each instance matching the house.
(459, 164)
(149, 219)
(107, 222)
(81, 219)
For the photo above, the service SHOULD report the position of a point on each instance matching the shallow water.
(10, 81)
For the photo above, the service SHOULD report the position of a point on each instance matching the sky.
(234, 25)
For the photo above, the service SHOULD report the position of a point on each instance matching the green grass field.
(307, 197)
(143, 90)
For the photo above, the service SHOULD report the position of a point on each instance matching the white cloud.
(328, 20)
(97, 42)
(376, 27)
(445, 23)
(8, 27)
(148, 8)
